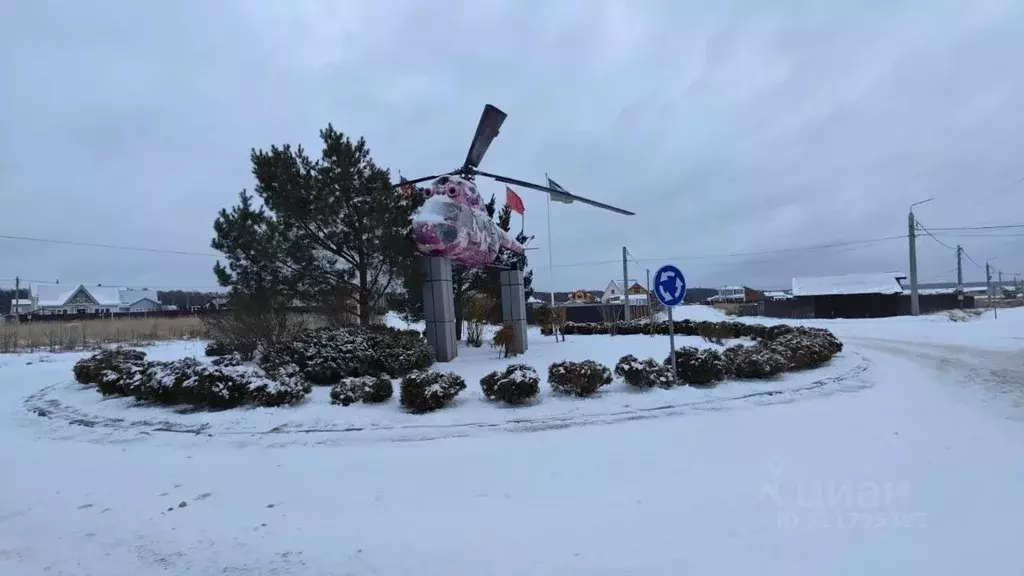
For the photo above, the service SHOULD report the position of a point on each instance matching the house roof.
(153, 300)
(129, 296)
(870, 283)
(58, 294)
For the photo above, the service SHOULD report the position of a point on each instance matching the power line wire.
(972, 261)
(108, 246)
(928, 232)
(854, 243)
(975, 228)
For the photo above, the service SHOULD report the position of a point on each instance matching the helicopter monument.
(452, 225)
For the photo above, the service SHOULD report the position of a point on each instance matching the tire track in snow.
(993, 379)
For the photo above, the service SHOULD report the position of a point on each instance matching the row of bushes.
(222, 384)
(326, 356)
(724, 330)
(228, 381)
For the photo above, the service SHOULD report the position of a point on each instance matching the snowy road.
(912, 465)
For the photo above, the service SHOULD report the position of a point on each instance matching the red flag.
(514, 201)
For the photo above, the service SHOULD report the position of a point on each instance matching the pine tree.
(489, 280)
(330, 232)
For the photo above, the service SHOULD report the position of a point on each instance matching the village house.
(65, 299)
(21, 305)
(736, 295)
(638, 295)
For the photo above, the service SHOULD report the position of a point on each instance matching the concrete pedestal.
(439, 308)
(513, 308)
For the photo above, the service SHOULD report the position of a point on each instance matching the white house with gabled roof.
(65, 299)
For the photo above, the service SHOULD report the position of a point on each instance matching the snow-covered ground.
(903, 456)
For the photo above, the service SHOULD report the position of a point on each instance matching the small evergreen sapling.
(578, 378)
(516, 384)
(698, 366)
(366, 389)
(643, 374)
(428, 391)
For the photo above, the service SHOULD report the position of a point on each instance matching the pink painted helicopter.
(453, 223)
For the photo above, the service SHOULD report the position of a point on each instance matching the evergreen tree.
(489, 281)
(7, 295)
(330, 232)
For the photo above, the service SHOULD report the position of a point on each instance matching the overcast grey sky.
(728, 127)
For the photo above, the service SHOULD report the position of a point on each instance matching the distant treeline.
(186, 298)
(5, 299)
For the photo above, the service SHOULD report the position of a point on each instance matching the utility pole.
(650, 311)
(960, 275)
(999, 291)
(17, 301)
(625, 285)
(988, 287)
(915, 308)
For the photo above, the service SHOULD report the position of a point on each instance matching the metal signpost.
(670, 289)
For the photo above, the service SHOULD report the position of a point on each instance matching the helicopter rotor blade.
(418, 180)
(561, 195)
(486, 130)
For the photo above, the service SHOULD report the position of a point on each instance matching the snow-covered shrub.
(232, 359)
(217, 348)
(190, 382)
(628, 366)
(777, 330)
(399, 352)
(285, 386)
(806, 347)
(114, 372)
(324, 356)
(643, 374)
(656, 374)
(164, 382)
(698, 366)
(429, 391)
(712, 331)
(757, 361)
(516, 384)
(367, 389)
(578, 378)
(90, 370)
(220, 387)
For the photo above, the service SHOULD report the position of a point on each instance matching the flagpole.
(551, 258)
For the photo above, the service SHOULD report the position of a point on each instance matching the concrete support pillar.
(513, 308)
(439, 308)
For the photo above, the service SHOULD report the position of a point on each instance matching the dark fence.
(854, 306)
(42, 318)
(930, 303)
(589, 313)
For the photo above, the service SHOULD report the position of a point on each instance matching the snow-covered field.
(903, 456)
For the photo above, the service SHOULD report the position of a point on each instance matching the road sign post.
(672, 345)
(670, 289)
